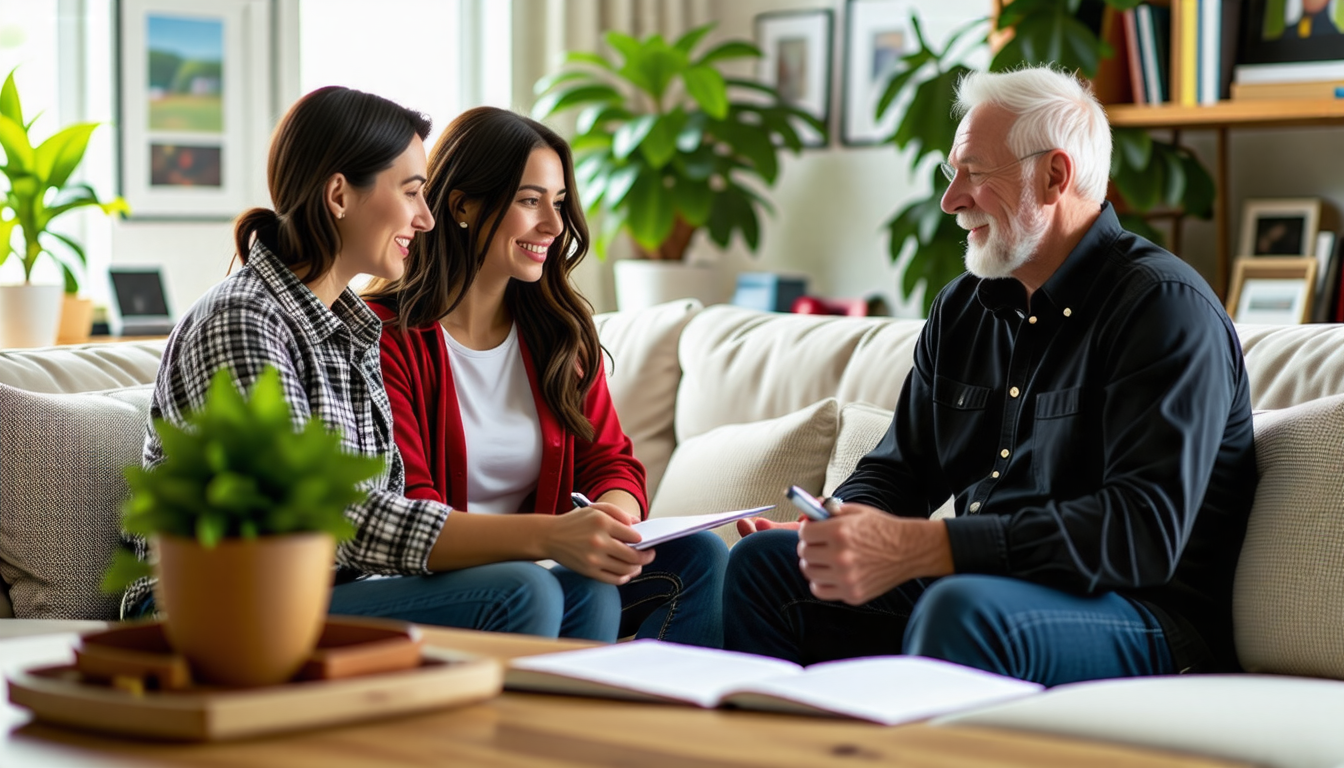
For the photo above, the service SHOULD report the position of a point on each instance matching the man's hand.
(862, 552)
(749, 525)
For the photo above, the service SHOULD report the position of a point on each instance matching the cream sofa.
(726, 407)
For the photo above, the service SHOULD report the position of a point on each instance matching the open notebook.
(881, 689)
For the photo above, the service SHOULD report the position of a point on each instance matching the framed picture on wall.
(193, 98)
(1282, 227)
(877, 35)
(1272, 290)
(1287, 34)
(797, 62)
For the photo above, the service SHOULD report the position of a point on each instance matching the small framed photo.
(193, 103)
(1272, 290)
(877, 35)
(797, 62)
(1283, 227)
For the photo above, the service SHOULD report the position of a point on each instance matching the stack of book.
(1182, 52)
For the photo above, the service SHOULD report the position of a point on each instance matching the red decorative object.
(815, 305)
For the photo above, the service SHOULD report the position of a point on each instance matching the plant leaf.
(687, 42)
(555, 78)
(692, 200)
(660, 144)
(9, 99)
(57, 157)
(649, 211)
(707, 87)
(586, 57)
(733, 49)
(560, 100)
(18, 152)
(629, 136)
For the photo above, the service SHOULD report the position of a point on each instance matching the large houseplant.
(1146, 173)
(243, 514)
(665, 144)
(40, 190)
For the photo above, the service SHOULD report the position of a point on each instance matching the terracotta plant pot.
(76, 320)
(248, 612)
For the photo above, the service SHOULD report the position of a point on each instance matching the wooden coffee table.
(518, 729)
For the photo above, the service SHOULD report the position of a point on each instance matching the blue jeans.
(995, 623)
(516, 597)
(679, 596)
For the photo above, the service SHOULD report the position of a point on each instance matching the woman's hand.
(595, 542)
(749, 525)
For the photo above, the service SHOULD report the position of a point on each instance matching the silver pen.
(580, 500)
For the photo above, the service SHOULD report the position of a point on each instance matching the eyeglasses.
(977, 177)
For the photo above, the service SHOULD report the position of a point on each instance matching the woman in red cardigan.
(500, 406)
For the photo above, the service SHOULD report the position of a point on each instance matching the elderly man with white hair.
(1082, 395)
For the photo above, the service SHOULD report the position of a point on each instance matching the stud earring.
(462, 224)
(341, 215)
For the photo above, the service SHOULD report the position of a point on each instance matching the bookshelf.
(1222, 118)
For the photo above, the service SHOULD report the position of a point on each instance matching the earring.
(462, 224)
(341, 215)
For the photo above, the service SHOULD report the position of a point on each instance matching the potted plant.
(1145, 173)
(243, 515)
(40, 190)
(665, 144)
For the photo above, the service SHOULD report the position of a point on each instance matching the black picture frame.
(797, 48)
(1262, 43)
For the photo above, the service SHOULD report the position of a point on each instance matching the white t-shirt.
(499, 421)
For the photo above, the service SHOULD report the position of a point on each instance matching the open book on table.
(881, 689)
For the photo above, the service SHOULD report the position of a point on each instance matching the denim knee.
(701, 555)
(760, 553)
(532, 603)
(950, 613)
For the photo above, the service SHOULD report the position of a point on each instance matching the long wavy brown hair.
(482, 154)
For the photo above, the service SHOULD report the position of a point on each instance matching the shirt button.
(1067, 312)
(1032, 319)
(995, 473)
(975, 506)
(1014, 392)
(1004, 453)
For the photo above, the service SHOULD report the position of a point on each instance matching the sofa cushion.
(742, 365)
(1289, 591)
(83, 368)
(862, 426)
(61, 490)
(737, 466)
(1291, 364)
(643, 374)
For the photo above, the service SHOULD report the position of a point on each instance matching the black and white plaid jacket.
(329, 364)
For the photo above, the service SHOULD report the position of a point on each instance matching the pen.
(580, 500)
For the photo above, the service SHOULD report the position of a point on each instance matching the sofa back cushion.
(82, 368)
(742, 365)
(61, 490)
(1289, 592)
(643, 375)
(1291, 364)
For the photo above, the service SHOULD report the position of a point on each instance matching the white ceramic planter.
(29, 315)
(641, 283)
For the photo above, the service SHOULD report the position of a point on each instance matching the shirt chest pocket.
(1058, 440)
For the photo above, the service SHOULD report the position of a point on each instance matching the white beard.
(1004, 252)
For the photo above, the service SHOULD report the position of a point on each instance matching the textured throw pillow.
(1289, 591)
(61, 490)
(737, 466)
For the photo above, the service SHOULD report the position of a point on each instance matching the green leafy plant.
(239, 469)
(665, 144)
(40, 189)
(1147, 174)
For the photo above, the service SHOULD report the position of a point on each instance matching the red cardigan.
(427, 425)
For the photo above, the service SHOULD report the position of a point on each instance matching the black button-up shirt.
(1097, 438)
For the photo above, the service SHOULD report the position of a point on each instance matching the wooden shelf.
(1284, 113)
(1221, 118)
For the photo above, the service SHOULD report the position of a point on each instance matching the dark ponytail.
(329, 131)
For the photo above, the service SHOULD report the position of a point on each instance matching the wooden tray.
(444, 678)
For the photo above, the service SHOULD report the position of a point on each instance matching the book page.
(651, 667)
(662, 529)
(883, 689)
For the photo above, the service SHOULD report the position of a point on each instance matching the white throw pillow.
(61, 490)
(862, 426)
(738, 466)
(1289, 592)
